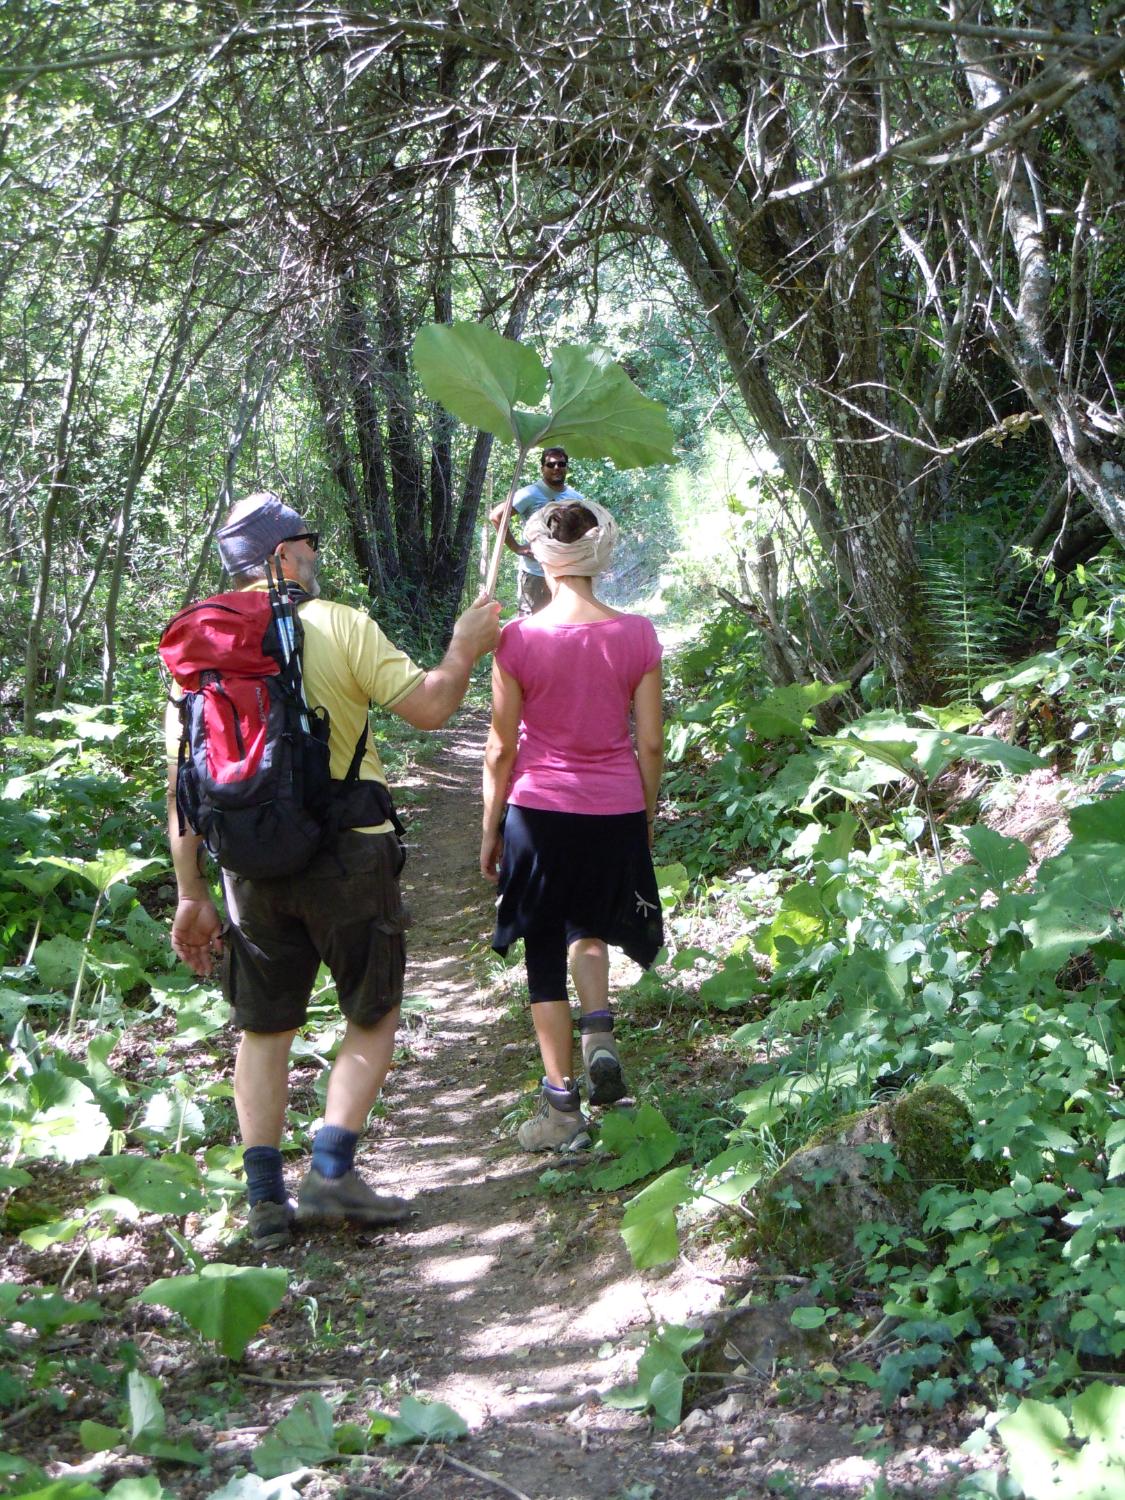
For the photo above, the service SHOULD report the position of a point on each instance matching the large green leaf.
(113, 866)
(46, 1312)
(922, 751)
(58, 961)
(424, 1422)
(478, 375)
(648, 1225)
(1100, 822)
(661, 1373)
(1043, 1460)
(1002, 859)
(1079, 900)
(597, 411)
(643, 1141)
(63, 1120)
(226, 1304)
(169, 1184)
(305, 1437)
(788, 711)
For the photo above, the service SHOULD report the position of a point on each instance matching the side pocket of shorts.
(227, 967)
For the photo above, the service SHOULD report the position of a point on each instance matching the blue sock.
(264, 1180)
(333, 1150)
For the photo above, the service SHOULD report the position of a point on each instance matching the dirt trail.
(518, 1307)
(511, 1306)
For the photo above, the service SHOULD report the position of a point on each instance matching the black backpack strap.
(357, 754)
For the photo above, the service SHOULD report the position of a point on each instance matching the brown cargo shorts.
(344, 910)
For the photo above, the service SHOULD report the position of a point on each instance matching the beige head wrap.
(586, 557)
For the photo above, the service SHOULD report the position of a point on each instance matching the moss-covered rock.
(867, 1168)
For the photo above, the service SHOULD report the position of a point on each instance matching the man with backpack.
(343, 907)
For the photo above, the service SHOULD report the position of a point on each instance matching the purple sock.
(595, 1020)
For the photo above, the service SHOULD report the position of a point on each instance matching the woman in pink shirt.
(570, 794)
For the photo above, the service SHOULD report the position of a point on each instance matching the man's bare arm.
(438, 696)
(495, 515)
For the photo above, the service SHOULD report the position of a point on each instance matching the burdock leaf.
(597, 411)
(478, 375)
(226, 1304)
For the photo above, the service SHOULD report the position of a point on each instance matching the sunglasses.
(555, 463)
(312, 537)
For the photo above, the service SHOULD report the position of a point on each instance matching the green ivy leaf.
(226, 1304)
(423, 1422)
(808, 1317)
(644, 1141)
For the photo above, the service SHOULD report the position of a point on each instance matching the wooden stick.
(480, 1474)
(501, 533)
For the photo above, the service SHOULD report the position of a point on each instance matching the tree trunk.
(1090, 441)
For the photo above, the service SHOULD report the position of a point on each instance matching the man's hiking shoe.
(605, 1082)
(558, 1124)
(269, 1224)
(336, 1200)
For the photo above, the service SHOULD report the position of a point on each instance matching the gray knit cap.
(256, 525)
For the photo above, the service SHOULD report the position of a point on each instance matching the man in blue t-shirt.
(552, 485)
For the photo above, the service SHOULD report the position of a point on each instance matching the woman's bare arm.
(648, 731)
(499, 757)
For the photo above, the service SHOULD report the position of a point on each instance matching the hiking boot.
(334, 1200)
(269, 1224)
(605, 1082)
(558, 1124)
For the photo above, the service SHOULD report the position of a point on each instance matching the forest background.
(870, 257)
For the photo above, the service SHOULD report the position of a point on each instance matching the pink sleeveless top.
(575, 748)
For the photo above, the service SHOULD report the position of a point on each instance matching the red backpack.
(253, 774)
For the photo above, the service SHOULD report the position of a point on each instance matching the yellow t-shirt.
(348, 664)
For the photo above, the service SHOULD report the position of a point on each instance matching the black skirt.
(583, 871)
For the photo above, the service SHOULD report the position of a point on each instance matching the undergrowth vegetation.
(117, 1120)
(883, 938)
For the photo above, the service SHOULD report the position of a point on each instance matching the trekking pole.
(284, 616)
